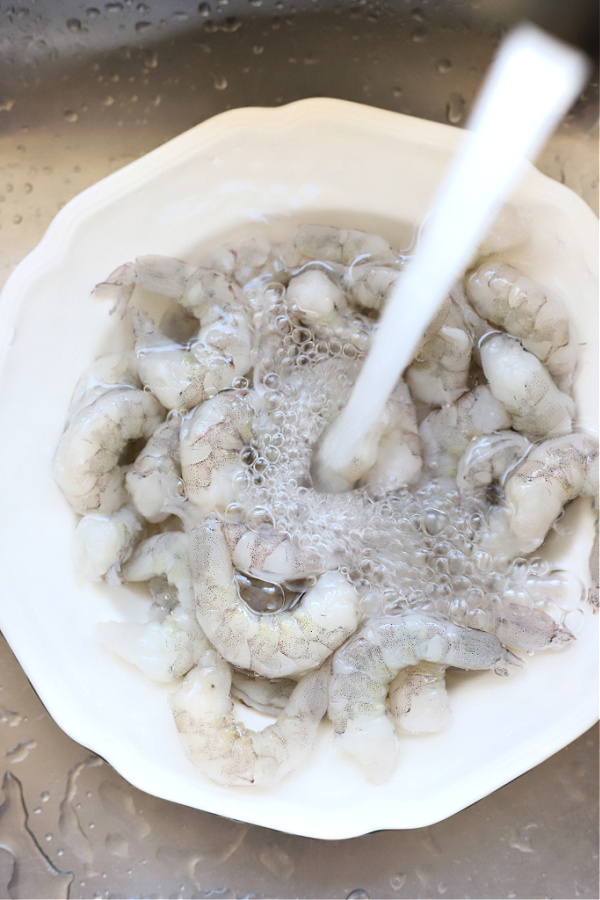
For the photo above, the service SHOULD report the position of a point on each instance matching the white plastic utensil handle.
(531, 84)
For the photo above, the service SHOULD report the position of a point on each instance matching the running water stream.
(531, 84)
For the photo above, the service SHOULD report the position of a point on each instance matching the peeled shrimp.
(103, 543)
(211, 443)
(530, 629)
(418, 699)
(523, 384)
(502, 295)
(365, 665)
(447, 432)
(263, 694)
(275, 645)
(228, 752)
(341, 246)
(266, 555)
(86, 466)
(490, 459)
(369, 285)
(398, 462)
(440, 371)
(316, 297)
(106, 373)
(170, 647)
(555, 472)
(154, 480)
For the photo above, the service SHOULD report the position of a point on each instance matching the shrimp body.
(366, 664)
(281, 644)
(398, 461)
(228, 752)
(502, 295)
(164, 554)
(418, 699)
(266, 555)
(154, 480)
(440, 372)
(86, 465)
(316, 297)
(446, 433)
(103, 543)
(263, 694)
(523, 384)
(181, 377)
(211, 443)
(555, 472)
(107, 372)
(489, 459)
(337, 245)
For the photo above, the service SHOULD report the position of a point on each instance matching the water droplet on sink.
(220, 82)
(397, 881)
(443, 65)
(143, 27)
(455, 108)
(204, 9)
(74, 25)
(70, 115)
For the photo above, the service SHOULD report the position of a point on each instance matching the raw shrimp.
(502, 295)
(183, 376)
(162, 650)
(439, 373)
(523, 384)
(398, 462)
(106, 373)
(263, 694)
(529, 629)
(266, 555)
(103, 543)
(446, 432)
(366, 664)
(490, 459)
(170, 647)
(418, 699)
(275, 645)
(86, 466)
(228, 752)
(164, 554)
(510, 228)
(154, 481)
(555, 472)
(212, 440)
(369, 285)
(316, 298)
(341, 246)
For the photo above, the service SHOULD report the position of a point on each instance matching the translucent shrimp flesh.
(342, 246)
(553, 473)
(489, 460)
(523, 384)
(103, 543)
(447, 432)
(283, 644)
(439, 374)
(228, 752)
(87, 463)
(154, 480)
(364, 667)
(505, 297)
(107, 372)
(418, 699)
(212, 440)
(398, 462)
(263, 694)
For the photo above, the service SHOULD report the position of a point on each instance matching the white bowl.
(320, 161)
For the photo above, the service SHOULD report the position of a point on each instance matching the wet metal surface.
(84, 89)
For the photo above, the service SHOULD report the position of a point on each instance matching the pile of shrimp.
(192, 462)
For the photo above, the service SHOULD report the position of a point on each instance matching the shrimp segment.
(211, 443)
(418, 699)
(502, 295)
(86, 466)
(519, 380)
(555, 472)
(440, 372)
(489, 459)
(228, 752)
(164, 554)
(103, 543)
(154, 479)
(365, 665)
(262, 694)
(341, 246)
(275, 645)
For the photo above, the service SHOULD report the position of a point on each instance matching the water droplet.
(358, 894)
(143, 27)
(74, 26)
(455, 108)
(397, 92)
(419, 34)
(28, 187)
(70, 115)
(113, 7)
(277, 861)
(142, 8)
(258, 49)
(397, 881)
(45, 796)
(443, 66)
(48, 836)
(92, 12)
(17, 220)
(6, 105)
(204, 9)
(108, 101)
(220, 83)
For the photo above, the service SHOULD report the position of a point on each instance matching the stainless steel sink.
(86, 88)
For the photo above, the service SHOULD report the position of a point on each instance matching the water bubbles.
(455, 108)
(74, 26)
(92, 12)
